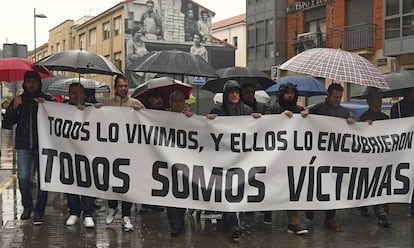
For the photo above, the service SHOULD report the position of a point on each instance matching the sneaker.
(38, 219)
(297, 229)
(332, 225)
(88, 222)
(72, 220)
(235, 236)
(26, 214)
(384, 221)
(110, 215)
(267, 218)
(126, 224)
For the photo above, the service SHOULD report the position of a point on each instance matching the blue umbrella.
(307, 86)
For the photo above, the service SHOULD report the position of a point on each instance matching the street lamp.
(34, 21)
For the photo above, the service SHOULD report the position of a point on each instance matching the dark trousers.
(412, 203)
(231, 222)
(80, 203)
(176, 217)
(125, 207)
(26, 160)
(329, 214)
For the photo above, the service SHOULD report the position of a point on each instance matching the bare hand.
(39, 99)
(188, 113)
(80, 106)
(212, 116)
(288, 113)
(17, 101)
(350, 120)
(304, 113)
(369, 122)
(256, 115)
(137, 106)
(98, 105)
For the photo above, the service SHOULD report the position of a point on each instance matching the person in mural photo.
(204, 25)
(198, 49)
(190, 25)
(151, 22)
(135, 48)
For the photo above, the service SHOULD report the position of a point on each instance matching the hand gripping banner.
(226, 164)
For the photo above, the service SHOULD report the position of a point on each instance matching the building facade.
(135, 27)
(351, 25)
(233, 32)
(399, 32)
(266, 33)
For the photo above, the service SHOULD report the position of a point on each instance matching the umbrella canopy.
(307, 86)
(165, 84)
(173, 62)
(259, 95)
(399, 82)
(243, 75)
(61, 87)
(336, 64)
(79, 61)
(13, 69)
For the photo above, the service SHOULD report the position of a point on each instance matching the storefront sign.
(309, 4)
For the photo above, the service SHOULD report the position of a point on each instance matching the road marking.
(7, 184)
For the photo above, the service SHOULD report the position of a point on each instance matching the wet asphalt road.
(151, 229)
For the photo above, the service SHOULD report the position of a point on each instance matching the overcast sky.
(16, 16)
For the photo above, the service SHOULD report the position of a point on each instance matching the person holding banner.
(232, 106)
(23, 112)
(247, 94)
(287, 105)
(122, 99)
(176, 215)
(330, 107)
(374, 113)
(79, 203)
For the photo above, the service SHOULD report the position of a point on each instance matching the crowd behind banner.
(271, 163)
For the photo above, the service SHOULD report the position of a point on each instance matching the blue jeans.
(26, 160)
(80, 203)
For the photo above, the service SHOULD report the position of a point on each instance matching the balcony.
(356, 37)
(307, 41)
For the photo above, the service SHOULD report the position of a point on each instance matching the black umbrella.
(399, 82)
(61, 86)
(243, 75)
(79, 61)
(173, 62)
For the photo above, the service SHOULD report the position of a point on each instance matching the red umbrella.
(13, 69)
(164, 84)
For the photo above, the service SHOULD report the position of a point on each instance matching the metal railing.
(307, 41)
(359, 36)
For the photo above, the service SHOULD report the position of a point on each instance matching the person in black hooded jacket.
(232, 106)
(247, 94)
(23, 112)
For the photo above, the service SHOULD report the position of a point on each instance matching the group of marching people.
(237, 100)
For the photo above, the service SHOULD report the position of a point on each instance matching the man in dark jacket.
(247, 94)
(232, 106)
(287, 104)
(374, 113)
(330, 107)
(23, 112)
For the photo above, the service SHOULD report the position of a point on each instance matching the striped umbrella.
(61, 87)
(336, 64)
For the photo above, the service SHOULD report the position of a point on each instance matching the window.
(408, 6)
(260, 52)
(225, 40)
(392, 7)
(408, 25)
(58, 48)
(64, 45)
(269, 30)
(270, 51)
(118, 61)
(117, 26)
(251, 34)
(235, 42)
(392, 28)
(82, 41)
(92, 36)
(106, 31)
(251, 54)
(260, 32)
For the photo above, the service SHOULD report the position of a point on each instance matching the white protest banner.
(228, 164)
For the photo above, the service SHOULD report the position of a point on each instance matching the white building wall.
(239, 31)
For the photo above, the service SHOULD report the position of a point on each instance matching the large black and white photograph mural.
(152, 25)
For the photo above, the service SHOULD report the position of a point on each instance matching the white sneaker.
(126, 224)
(72, 220)
(88, 222)
(110, 215)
